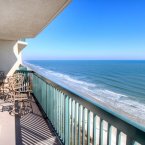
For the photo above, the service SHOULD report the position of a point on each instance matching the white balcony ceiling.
(26, 18)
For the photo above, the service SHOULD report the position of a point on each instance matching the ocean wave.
(120, 101)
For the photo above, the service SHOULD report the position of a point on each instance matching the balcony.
(31, 128)
(61, 116)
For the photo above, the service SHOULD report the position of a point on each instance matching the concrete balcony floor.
(30, 129)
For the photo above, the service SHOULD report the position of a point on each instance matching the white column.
(10, 55)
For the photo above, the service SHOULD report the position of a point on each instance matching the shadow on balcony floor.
(32, 129)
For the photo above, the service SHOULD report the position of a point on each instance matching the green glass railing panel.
(44, 96)
(109, 133)
(88, 127)
(79, 124)
(76, 123)
(67, 142)
(83, 126)
(48, 100)
(94, 129)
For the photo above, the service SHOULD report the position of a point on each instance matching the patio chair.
(20, 100)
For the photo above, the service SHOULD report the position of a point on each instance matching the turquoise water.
(119, 83)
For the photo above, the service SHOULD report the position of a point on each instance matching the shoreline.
(114, 109)
(89, 95)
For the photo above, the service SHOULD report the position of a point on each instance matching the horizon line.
(90, 59)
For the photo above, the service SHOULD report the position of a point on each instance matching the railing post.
(63, 117)
(66, 110)
(48, 100)
(101, 132)
(83, 126)
(109, 133)
(94, 128)
(129, 141)
(72, 121)
(88, 127)
(118, 137)
(76, 123)
(79, 124)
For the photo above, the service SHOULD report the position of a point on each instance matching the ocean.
(120, 84)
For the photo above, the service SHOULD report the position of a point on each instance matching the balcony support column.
(10, 55)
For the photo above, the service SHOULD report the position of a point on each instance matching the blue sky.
(93, 29)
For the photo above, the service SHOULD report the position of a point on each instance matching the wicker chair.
(20, 100)
(8, 85)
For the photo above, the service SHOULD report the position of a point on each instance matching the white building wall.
(10, 55)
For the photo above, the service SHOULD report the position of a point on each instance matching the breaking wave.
(117, 100)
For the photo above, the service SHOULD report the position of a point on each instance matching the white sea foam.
(117, 100)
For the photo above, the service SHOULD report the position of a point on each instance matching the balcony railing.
(80, 121)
